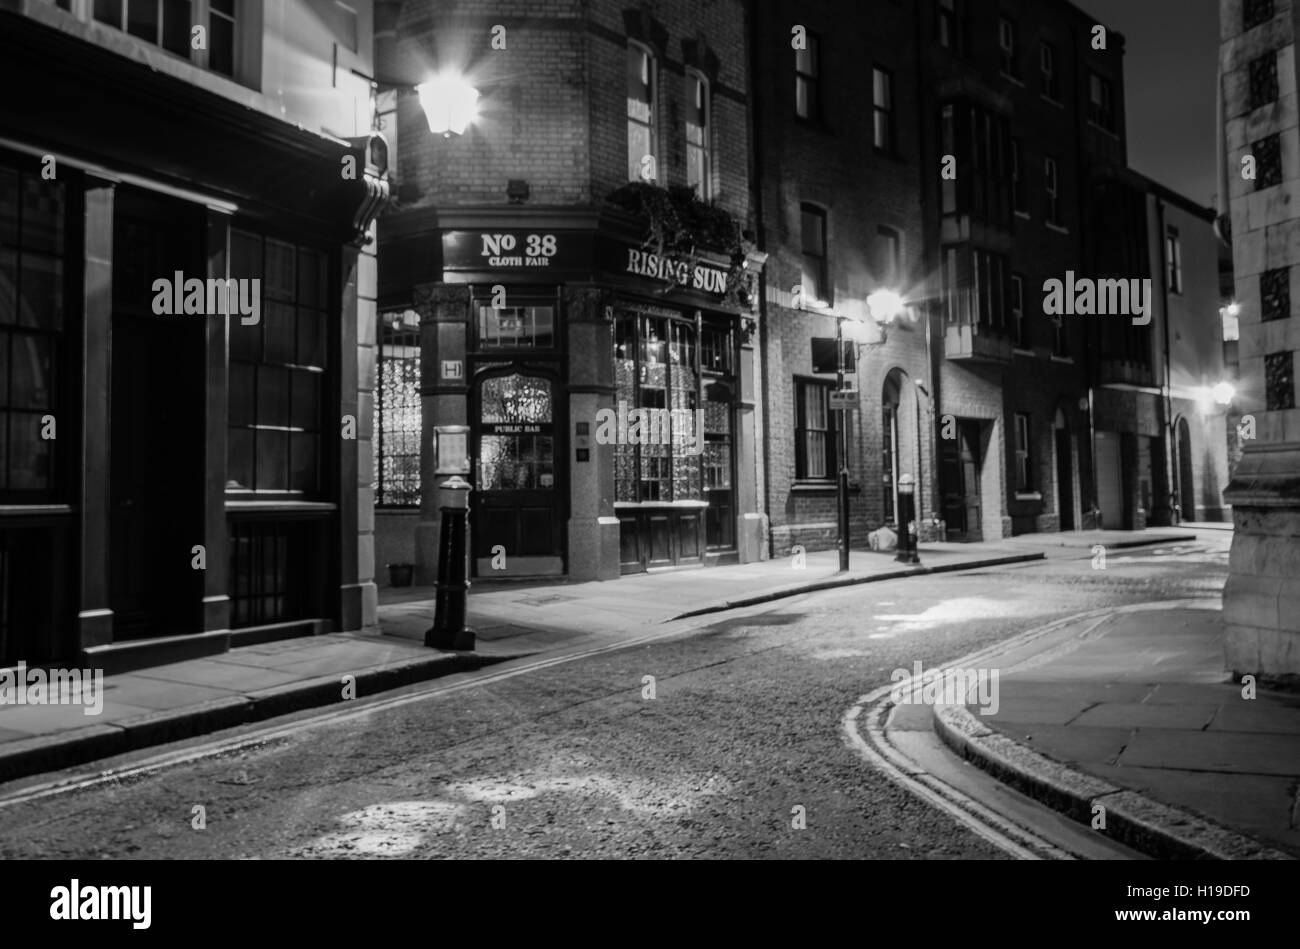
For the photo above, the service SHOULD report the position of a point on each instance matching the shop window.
(397, 413)
(32, 235)
(699, 169)
(815, 432)
(641, 81)
(278, 372)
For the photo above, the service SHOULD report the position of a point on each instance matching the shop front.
(606, 393)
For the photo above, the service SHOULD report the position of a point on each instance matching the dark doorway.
(156, 476)
(516, 504)
(1064, 477)
(960, 473)
(1186, 472)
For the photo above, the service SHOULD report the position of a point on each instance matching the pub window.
(641, 158)
(882, 98)
(807, 79)
(683, 393)
(32, 243)
(516, 327)
(814, 432)
(397, 413)
(815, 275)
(698, 130)
(278, 389)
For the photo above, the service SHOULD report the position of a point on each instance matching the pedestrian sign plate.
(844, 400)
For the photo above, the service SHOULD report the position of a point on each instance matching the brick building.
(172, 476)
(573, 266)
(1261, 152)
(838, 158)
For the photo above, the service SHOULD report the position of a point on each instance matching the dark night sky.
(1170, 73)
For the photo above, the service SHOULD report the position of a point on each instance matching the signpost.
(844, 400)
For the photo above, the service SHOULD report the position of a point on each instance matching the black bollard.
(449, 630)
(907, 552)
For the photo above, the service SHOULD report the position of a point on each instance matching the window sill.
(1102, 128)
(1057, 227)
(680, 505)
(1050, 101)
(1023, 215)
(236, 504)
(822, 487)
(1069, 360)
(1016, 350)
(1029, 496)
(1010, 78)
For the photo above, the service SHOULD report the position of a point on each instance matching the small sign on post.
(844, 400)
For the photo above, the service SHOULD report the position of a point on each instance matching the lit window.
(640, 115)
(397, 413)
(698, 170)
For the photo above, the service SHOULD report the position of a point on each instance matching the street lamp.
(1224, 393)
(449, 103)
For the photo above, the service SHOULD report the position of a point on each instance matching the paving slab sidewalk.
(166, 703)
(1139, 709)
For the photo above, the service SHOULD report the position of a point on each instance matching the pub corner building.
(598, 396)
(183, 459)
(596, 388)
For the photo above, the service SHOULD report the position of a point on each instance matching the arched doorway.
(890, 463)
(1186, 472)
(1064, 473)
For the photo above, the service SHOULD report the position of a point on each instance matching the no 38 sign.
(499, 247)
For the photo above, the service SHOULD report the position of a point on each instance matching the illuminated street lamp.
(1224, 393)
(449, 103)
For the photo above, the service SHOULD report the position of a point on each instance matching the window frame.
(1101, 108)
(810, 81)
(824, 292)
(697, 82)
(803, 385)
(1050, 75)
(1016, 303)
(1024, 453)
(651, 124)
(1173, 260)
(389, 337)
(888, 110)
(1009, 65)
(1052, 189)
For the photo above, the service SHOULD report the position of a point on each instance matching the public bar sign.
(510, 251)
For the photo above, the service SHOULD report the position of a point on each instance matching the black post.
(907, 552)
(842, 450)
(449, 630)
